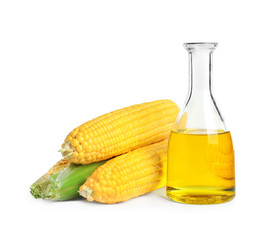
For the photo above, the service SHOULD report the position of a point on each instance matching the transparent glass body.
(200, 167)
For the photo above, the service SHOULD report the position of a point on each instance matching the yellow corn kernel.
(120, 131)
(129, 175)
(63, 163)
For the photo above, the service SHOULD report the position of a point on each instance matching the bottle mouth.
(200, 45)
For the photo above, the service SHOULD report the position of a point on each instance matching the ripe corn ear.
(120, 131)
(129, 175)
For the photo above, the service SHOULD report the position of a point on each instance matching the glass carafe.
(200, 167)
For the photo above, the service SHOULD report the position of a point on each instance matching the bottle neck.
(200, 111)
(200, 73)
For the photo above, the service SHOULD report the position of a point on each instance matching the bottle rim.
(200, 45)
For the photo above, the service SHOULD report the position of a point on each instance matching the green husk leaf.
(63, 185)
(38, 187)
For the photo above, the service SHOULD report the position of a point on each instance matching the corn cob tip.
(86, 193)
(66, 151)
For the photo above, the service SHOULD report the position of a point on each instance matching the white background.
(65, 62)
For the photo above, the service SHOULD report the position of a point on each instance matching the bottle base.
(200, 195)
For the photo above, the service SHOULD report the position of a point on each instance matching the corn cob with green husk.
(63, 180)
(133, 134)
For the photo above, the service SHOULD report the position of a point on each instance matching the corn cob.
(128, 176)
(120, 131)
(62, 181)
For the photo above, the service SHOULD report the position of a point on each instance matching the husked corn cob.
(129, 175)
(120, 131)
(62, 181)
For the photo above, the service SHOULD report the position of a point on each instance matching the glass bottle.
(200, 167)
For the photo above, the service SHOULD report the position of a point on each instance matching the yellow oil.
(200, 167)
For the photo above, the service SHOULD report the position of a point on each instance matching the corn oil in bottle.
(200, 167)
